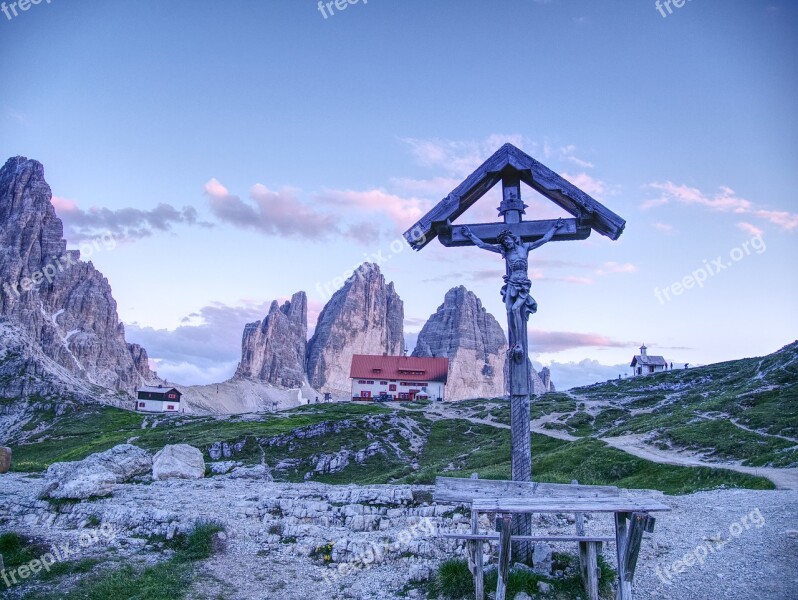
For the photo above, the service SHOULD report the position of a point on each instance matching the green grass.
(168, 580)
(453, 580)
(18, 549)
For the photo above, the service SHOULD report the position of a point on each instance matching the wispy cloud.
(751, 230)
(557, 341)
(725, 200)
(665, 228)
(270, 212)
(123, 223)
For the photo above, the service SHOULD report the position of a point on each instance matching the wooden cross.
(514, 238)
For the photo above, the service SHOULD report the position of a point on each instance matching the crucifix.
(513, 239)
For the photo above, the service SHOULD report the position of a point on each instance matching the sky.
(235, 153)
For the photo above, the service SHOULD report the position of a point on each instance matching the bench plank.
(567, 505)
(487, 537)
(456, 490)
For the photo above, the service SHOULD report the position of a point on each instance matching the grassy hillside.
(744, 410)
(412, 444)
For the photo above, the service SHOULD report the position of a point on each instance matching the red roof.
(399, 368)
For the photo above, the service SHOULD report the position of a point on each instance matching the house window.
(369, 383)
(171, 396)
(404, 396)
(170, 407)
(361, 381)
(392, 387)
(365, 394)
(383, 383)
(141, 404)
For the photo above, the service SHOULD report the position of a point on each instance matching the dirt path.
(786, 479)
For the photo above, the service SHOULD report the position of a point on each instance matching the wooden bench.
(508, 498)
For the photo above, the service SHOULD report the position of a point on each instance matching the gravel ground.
(753, 536)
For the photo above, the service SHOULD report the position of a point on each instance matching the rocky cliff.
(475, 344)
(273, 350)
(60, 302)
(471, 338)
(366, 316)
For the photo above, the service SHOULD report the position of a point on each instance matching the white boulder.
(178, 461)
(95, 475)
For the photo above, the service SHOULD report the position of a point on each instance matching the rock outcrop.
(545, 379)
(5, 459)
(95, 475)
(178, 461)
(475, 344)
(366, 316)
(273, 350)
(62, 303)
(471, 338)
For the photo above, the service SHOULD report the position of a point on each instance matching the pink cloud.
(665, 228)
(403, 212)
(594, 187)
(270, 212)
(557, 341)
(752, 230)
(62, 205)
(783, 219)
(613, 267)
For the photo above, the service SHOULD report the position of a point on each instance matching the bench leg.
(505, 550)
(588, 560)
(624, 591)
(475, 559)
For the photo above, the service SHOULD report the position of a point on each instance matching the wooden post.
(504, 523)
(640, 522)
(624, 591)
(476, 553)
(588, 558)
(518, 383)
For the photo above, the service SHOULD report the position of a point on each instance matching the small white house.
(643, 364)
(158, 399)
(398, 377)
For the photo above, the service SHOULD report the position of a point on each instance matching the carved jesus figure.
(515, 292)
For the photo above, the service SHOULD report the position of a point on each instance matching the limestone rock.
(473, 341)
(366, 316)
(273, 350)
(95, 475)
(178, 461)
(5, 459)
(545, 379)
(62, 303)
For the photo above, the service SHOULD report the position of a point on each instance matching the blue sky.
(195, 131)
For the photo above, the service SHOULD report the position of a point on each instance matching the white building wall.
(434, 389)
(157, 406)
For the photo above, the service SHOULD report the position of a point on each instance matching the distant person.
(671, 366)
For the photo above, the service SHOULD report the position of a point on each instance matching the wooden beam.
(456, 490)
(479, 572)
(509, 161)
(624, 587)
(638, 524)
(567, 505)
(450, 234)
(488, 537)
(505, 523)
